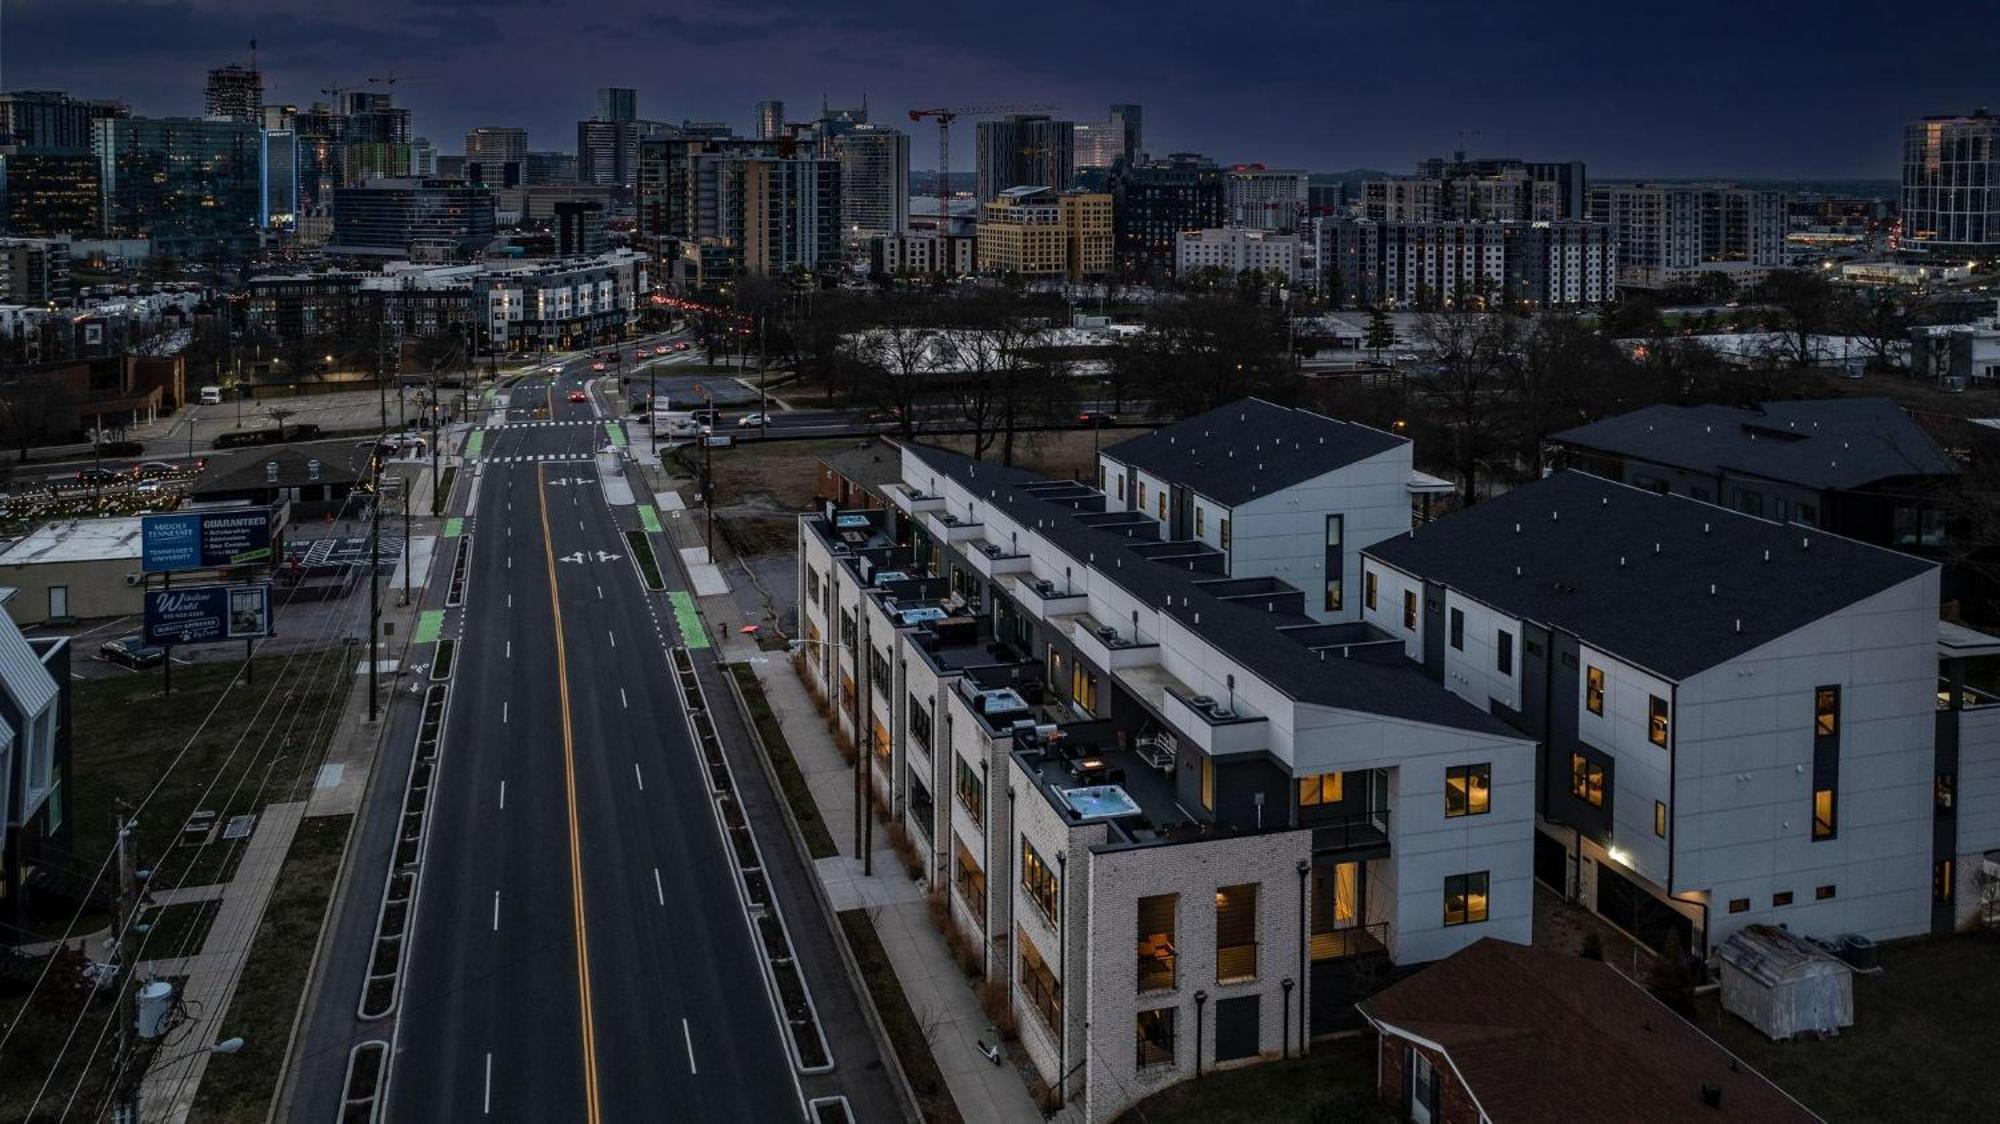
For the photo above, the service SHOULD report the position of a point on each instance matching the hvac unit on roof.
(1201, 702)
(1045, 587)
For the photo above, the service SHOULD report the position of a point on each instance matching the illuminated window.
(1207, 783)
(1823, 893)
(1660, 818)
(1586, 780)
(1157, 936)
(1468, 790)
(1039, 881)
(971, 789)
(1156, 1037)
(1236, 933)
(1142, 495)
(1200, 518)
(1593, 690)
(1823, 814)
(1826, 712)
(1323, 788)
(1781, 898)
(1941, 879)
(1656, 719)
(1083, 688)
(1163, 507)
(1465, 898)
(1739, 905)
(1056, 666)
(1368, 589)
(1222, 526)
(1410, 609)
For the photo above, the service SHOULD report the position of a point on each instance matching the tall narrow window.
(1156, 1037)
(1503, 652)
(971, 788)
(1458, 630)
(1824, 823)
(1410, 609)
(1656, 719)
(1368, 589)
(1465, 898)
(1826, 762)
(1660, 818)
(1207, 783)
(1083, 687)
(1222, 527)
(1158, 938)
(1826, 712)
(1336, 561)
(1468, 790)
(1586, 780)
(1236, 933)
(1200, 520)
(1163, 507)
(1593, 690)
(1040, 882)
(1142, 495)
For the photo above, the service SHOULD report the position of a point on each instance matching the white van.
(211, 396)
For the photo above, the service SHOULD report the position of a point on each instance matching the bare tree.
(34, 406)
(1471, 358)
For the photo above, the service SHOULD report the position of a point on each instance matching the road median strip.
(650, 519)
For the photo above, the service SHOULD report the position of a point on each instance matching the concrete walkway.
(940, 998)
(167, 1093)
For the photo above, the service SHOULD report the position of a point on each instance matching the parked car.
(94, 475)
(1096, 417)
(132, 651)
(753, 420)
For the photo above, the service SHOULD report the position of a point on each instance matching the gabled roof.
(1247, 633)
(1672, 584)
(1839, 443)
(1538, 1035)
(340, 462)
(22, 672)
(1236, 453)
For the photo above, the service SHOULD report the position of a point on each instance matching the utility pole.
(127, 1074)
(763, 383)
(375, 531)
(708, 479)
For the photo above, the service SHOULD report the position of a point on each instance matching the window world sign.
(202, 540)
(203, 613)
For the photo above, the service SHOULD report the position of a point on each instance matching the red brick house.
(1509, 1034)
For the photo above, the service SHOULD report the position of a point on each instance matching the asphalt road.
(578, 951)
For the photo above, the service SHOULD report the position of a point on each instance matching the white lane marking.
(638, 776)
(487, 1109)
(496, 911)
(503, 796)
(622, 700)
(688, 1036)
(613, 636)
(658, 892)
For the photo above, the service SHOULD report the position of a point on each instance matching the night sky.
(1697, 87)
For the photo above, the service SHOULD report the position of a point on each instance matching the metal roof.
(22, 673)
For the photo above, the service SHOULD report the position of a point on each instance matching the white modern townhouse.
(34, 763)
(1740, 720)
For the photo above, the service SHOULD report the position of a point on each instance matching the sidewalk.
(939, 996)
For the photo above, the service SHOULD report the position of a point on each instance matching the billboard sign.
(202, 540)
(203, 613)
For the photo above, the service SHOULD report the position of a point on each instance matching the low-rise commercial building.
(1035, 233)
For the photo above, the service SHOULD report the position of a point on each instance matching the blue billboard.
(203, 540)
(203, 613)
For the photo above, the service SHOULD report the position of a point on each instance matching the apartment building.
(1951, 165)
(1660, 228)
(1426, 265)
(34, 758)
(1039, 233)
(1181, 819)
(922, 253)
(1235, 251)
(1261, 198)
(1742, 721)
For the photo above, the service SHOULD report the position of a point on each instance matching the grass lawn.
(237, 1089)
(905, 1033)
(1925, 1029)
(819, 844)
(1334, 1085)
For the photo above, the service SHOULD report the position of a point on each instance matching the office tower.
(1037, 232)
(375, 139)
(1127, 119)
(1432, 265)
(496, 156)
(1024, 150)
(874, 180)
(770, 120)
(51, 119)
(281, 180)
(545, 168)
(50, 191)
(320, 130)
(1260, 198)
(1660, 228)
(1097, 146)
(617, 104)
(236, 93)
(579, 228)
(34, 271)
(408, 217)
(1951, 184)
(194, 186)
(783, 212)
(1156, 200)
(423, 157)
(280, 116)
(607, 152)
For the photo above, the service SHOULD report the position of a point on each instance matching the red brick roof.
(1544, 1036)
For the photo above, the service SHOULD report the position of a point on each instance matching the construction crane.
(944, 119)
(390, 79)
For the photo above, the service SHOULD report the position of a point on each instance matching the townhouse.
(1183, 810)
(1741, 720)
(34, 763)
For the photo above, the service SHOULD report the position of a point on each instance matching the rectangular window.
(969, 880)
(1043, 992)
(1593, 690)
(1222, 527)
(1823, 893)
(1468, 790)
(1236, 933)
(1040, 882)
(1826, 711)
(918, 721)
(1121, 489)
(1163, 507)
(1159, 956)
(1336, 561)
(1207, 783)
(1458, 630)
(1156, 1037)
(1944, 793)
(1660, 818)
(1783, 897)
(1100, 477)
(1321, 788)
(1083, 687)
(1503, 652)
(971, 789)
(1586, 780)
(1941, 879)
(1739, 905)
(1410, 610)
(1465, 898)
(1368, 589)
(1142, 495)
(1656, 720)
(1200, 520)
(812, 585)
(1057, 678)
(1824, 824)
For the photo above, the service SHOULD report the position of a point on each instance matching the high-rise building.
(49, 191)
(874, 180)
(1024, 150)
(281, 180)
(1430, 265)
(1236, 251)
(1661, 229)
(423, 157)
(785, 213)
(1951, 184)
(34, 271)
(770, 120)
(680, 185)
(1128, 120)
(607, 152)
(1261, 198)
(374, 141)
(235, 92)
(194, 186)
(728, 205)
(615, 103)
(1458, 189)
(1564, 195)
(1097, 145)
(320, 130)
(50, 119)
(406, 217)
(1037, 232)
(496, 156)
(579, 228)
(1156, 200)
(544, 168)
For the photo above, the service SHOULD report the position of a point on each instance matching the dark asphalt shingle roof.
(1235, 453)
(1821, 443)
(1630, 571)
(1247, 633)
(343, 461)
(1512, 1016)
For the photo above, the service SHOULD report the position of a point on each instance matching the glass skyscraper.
(281, 180)
(194, 186)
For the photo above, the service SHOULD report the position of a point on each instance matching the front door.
(1336, 906)
(58, 602)
(1236, 1025)
(1421, 1096)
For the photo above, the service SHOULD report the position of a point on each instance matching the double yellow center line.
(593, 1114)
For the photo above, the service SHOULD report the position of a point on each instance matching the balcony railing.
(1358, 831)
(1159, 966)
(1350, 942)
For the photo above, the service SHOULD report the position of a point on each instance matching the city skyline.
(1404, 87)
